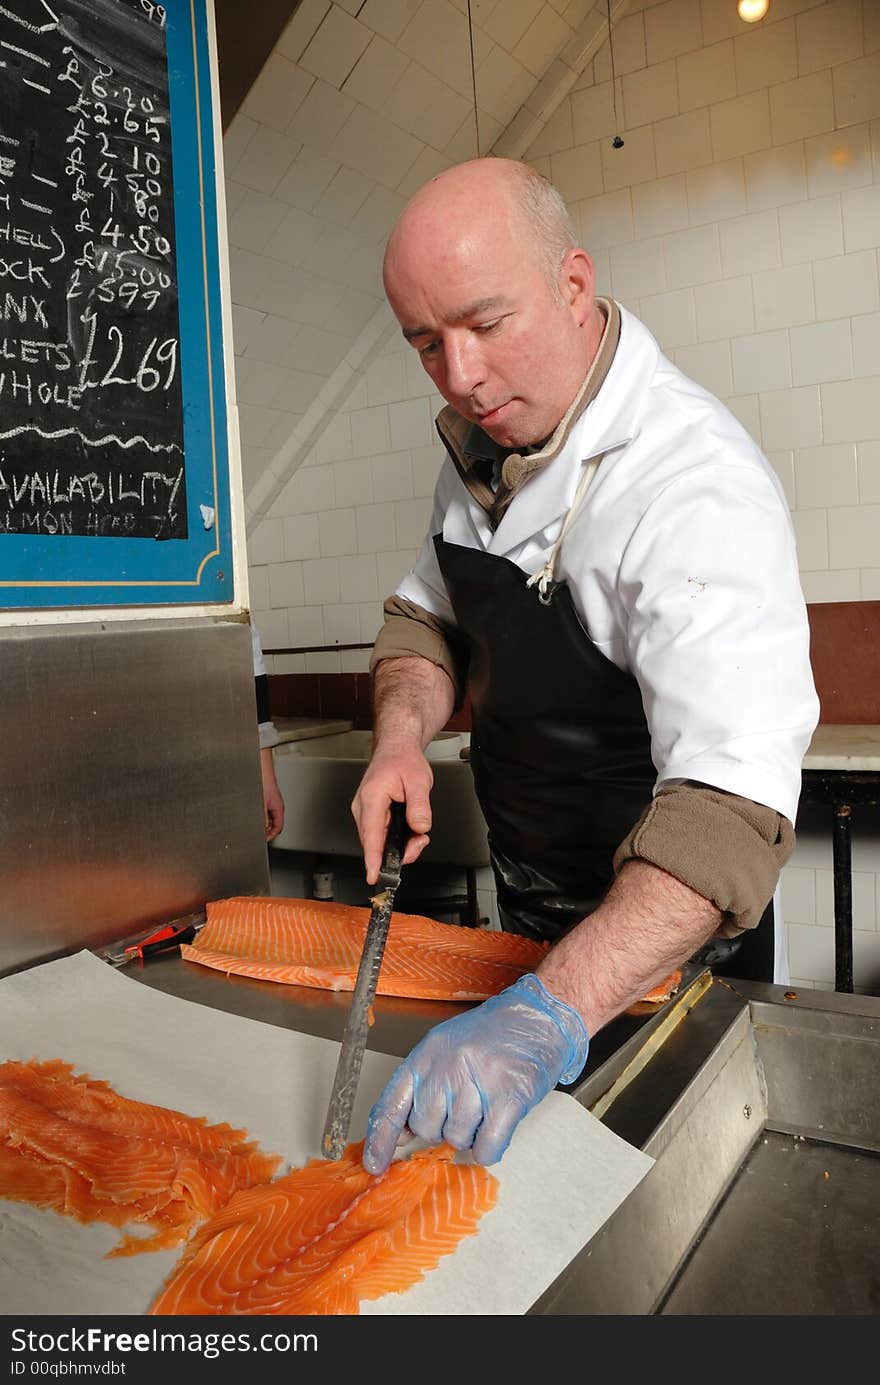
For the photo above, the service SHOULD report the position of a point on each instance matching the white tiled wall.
(740, 220)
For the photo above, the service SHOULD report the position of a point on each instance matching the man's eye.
(485, 327)
(430, 349)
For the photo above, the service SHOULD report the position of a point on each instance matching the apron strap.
(545, 578)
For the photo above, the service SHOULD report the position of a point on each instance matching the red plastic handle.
(167, 932)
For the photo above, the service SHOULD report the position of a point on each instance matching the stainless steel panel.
(698, 1148)
(398, 1025)
(821, 1068)
(796, 1234)
(399, 1022)
(129, 780)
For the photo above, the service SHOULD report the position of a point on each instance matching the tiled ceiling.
(356, 105)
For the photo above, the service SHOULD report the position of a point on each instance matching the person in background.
(610, 572)
(273, 803)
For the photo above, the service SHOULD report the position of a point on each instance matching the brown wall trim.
(344, 695)
(844, 652)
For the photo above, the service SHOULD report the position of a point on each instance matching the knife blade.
(354, 1039)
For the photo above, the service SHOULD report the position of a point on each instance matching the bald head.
(516, 194)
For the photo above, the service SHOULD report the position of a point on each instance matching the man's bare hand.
(273, 803)
(400, 775)
(412, 700)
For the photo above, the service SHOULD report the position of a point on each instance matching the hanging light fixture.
(473, 76)
(617, 142)
(752, 10)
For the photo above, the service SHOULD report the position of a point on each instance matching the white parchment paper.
(561, 1178)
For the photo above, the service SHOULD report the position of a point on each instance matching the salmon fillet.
(329, 1235)
(657, 994)
(313, 942)
(665, 988)
(73, 1144)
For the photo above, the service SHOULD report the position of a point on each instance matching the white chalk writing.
(89, 333)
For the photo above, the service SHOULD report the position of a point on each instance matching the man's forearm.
(412, 700)
(648, 924)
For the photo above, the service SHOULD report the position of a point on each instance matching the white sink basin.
(318, 778)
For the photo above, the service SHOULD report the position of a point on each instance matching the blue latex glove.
(472, 1079)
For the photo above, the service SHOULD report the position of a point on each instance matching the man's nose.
(465, 369)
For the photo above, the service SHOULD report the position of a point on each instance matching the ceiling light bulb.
(752, 10)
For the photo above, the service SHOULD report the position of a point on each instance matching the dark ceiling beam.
(246, 35)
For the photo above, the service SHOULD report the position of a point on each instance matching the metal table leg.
(843, 939)
(473, 902)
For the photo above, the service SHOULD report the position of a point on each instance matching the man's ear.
(577, 278)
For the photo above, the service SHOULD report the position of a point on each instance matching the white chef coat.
(267, 730)
(682, 567)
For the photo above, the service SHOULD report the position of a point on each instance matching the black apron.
(560, 748)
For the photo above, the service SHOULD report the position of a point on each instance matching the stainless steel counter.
(854, 748)
(399, 1023)
(307, 728)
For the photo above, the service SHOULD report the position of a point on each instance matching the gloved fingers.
(464, 1116)
(430, 1107)
(387, 1120)
(496, 1131)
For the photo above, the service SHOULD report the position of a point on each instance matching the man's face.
(504, 349)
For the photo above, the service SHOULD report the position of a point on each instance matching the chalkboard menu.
(113, 457)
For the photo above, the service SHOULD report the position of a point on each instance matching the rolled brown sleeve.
(729, 849)
(411, 630)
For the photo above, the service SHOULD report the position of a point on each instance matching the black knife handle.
(185, 935)
(395, 846)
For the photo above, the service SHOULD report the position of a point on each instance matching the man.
(273, 801)
(611, 567)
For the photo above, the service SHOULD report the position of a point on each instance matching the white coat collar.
(608, 423)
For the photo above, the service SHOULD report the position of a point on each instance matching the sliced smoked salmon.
(73, 1144)
(313, 942)
(327, 1236)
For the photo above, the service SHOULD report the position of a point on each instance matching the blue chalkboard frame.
(40, 571)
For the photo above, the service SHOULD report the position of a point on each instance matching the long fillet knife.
(354, 1040)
